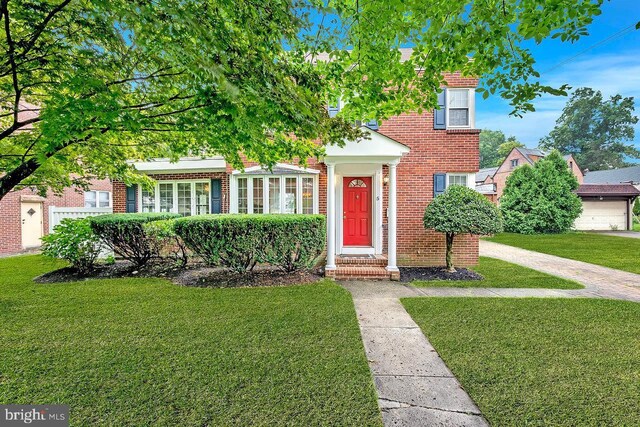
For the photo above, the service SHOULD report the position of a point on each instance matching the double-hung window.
(183, 197)
(290, 194)
(459, 107)
(97, 199)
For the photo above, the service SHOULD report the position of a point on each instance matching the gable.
(376, 147)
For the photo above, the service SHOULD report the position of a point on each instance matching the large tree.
(495, 146)
(87, 84)
(598, 132)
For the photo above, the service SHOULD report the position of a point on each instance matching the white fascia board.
(292, 168)
(185, 164)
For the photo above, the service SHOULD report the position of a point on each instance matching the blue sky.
(612, 67)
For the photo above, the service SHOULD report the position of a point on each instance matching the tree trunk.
(9, 181)
(449, 257)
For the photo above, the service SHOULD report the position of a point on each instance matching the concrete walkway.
(599, 282)
(415, 387)
(631, 234)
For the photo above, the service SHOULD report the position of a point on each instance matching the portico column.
(392, 219)
(331, 217)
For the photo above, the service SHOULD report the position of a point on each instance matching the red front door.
(357, 211)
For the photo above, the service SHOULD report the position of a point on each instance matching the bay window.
(183, 197)
(290, 194)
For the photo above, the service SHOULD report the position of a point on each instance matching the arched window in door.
(357, 183)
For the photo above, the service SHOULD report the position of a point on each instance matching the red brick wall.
(432, 151)
(10, 221)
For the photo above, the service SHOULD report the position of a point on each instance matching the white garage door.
(603, 215)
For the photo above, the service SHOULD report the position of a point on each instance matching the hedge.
(125, 235)
(239, 242)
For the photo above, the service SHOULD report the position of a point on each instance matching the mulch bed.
(192, 275)
(409, 274)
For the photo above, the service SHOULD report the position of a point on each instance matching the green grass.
(561, 362)
(502, 274)
(147, 352)
(636, 226)
(610, 251)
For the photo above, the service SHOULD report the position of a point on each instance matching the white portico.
(355, 184)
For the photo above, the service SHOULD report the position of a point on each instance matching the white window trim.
(265, 193)
(156, 194)
(471, 179)
(98, 197)
(471, 106)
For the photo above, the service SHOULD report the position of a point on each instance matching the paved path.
(631, 234)
(599, 282)
(415, 387)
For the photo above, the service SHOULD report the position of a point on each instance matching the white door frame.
(360, 170)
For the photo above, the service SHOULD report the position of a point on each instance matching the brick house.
(373, 191)
(491, 181)
(24, 217)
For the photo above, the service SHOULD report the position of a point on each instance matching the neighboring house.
(24, 215)
(630, 175)
(517, 157)
(485, 186)
(604, 206)
(373, 192)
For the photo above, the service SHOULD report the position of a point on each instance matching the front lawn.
(502, 274)
(147, 352)
(610, 251)
(571, 362)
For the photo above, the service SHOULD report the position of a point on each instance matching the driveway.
(599, 282)
(630, 234)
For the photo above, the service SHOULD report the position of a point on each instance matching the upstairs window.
(459, 107)
(514, 163)
(335, 107)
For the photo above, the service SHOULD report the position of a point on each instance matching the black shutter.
(440, 116)
(216, 196)
(439, 183)
(372, 124)
(130, 205)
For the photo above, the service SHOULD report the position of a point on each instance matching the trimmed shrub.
(239, 242)
(461, 210)
(165, 242)
(125, 235)
(74, 241)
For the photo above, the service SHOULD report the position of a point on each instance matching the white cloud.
(611, 74)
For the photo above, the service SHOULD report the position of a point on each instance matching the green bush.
(461, 210)
(541, 199)
(74, 241)
(165, 242)
(240, 242)
(125, 235)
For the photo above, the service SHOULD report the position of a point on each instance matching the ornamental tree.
(461, 210)
(87, 85)
(541, 199)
